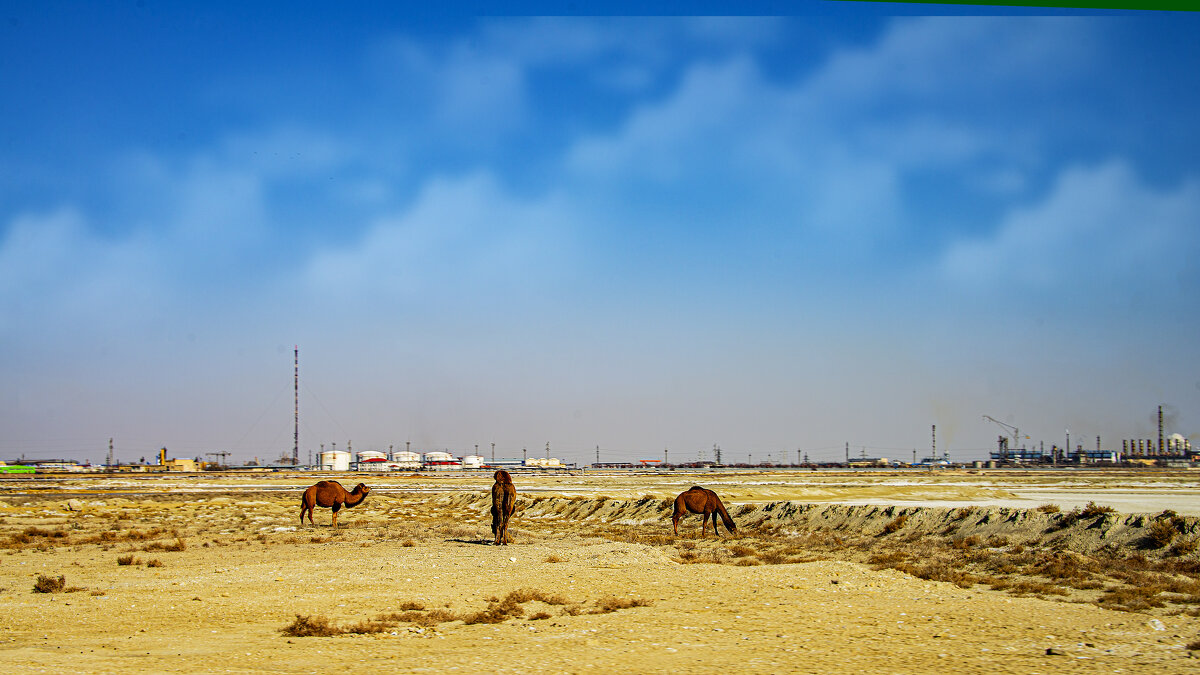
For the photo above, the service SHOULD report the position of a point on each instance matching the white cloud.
(1100, 229)
(462, 238)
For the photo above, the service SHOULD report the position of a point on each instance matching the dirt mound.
(1083, 531)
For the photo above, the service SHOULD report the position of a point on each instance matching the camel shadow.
(478, 542)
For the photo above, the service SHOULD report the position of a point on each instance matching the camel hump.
(697, 487)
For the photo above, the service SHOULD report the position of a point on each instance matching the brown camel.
(331, 495)
(504, 501)
(706, 503)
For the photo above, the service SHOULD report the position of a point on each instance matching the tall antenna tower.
(296, 436)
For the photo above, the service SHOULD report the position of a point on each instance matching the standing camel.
(706, 503)
(331, 495)
(504, 501)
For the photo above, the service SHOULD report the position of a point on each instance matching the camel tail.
(729, 524)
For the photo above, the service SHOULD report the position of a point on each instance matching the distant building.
(181, 464)
(543, 463)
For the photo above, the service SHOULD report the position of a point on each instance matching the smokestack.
(1160, 431)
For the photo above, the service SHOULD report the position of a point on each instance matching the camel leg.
(335, 511)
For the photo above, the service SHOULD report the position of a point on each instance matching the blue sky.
(776, 234)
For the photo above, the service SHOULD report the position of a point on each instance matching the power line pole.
(296, 388)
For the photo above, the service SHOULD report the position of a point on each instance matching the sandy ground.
(246, 571)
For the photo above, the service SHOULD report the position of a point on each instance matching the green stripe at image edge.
(1151, 5)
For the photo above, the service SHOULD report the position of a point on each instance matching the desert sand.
(216, 566)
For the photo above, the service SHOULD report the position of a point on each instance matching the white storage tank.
(404, 459)
(370, 460)
(335, 460)
(472, 462)
(441, 461)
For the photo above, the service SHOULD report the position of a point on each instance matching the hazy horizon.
(775, 234)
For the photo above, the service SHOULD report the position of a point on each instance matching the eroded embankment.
(1084, 531)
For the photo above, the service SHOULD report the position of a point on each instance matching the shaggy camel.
(331, 495)
(504, 501)
(706, 503)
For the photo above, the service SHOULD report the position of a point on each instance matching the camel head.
(362, 489)
(502, 477)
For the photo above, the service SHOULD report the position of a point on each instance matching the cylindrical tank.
(406, 456)
(472, 462)
(372, 456)
(335, 460)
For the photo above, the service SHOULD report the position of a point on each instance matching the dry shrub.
(895, 525)
(1025, 587)
(1092, 510)
(1048, 508)
(938, 571)
(128, 560)
(553, 558)
(1184, 547)
(889, 559)
(740, 551)
(410, 605)
(964, 543)
(310, 626)
(1131, 598)
(408, 543)
(539, 616)
(367, 627)
(499, 611)
(964, 512)
(47, 584)
(613, 603)
(154, 562)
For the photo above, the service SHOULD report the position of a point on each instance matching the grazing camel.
(706, 503)
(504, 500)
(331, 495)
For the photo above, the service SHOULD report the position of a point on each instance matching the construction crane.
(1016, 433)
(221, 454)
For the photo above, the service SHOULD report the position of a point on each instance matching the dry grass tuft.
(613, 603)
(154, 562)
(311, 626)
(895, 525)
(1092, 510)
(128, 560)
(47, 584)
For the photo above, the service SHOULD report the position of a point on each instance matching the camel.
(331, 495)
(504, 501)
(706, 503)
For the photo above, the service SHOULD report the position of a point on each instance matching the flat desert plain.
(830, 572)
